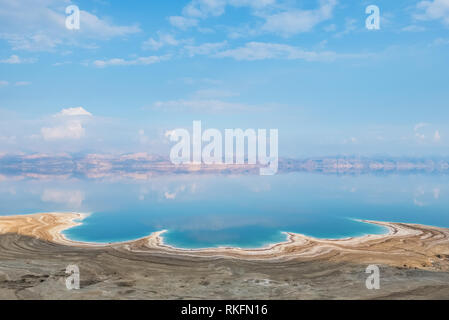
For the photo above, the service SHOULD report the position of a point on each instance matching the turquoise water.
(240, 211)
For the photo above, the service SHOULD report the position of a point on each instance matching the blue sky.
(311, 69)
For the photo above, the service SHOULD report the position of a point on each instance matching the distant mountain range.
(143, 165)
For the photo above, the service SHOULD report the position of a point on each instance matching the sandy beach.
(414, 259)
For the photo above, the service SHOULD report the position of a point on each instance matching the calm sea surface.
(242, 211)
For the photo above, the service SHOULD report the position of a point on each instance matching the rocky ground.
(35, 269)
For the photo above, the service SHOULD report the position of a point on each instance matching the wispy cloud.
(433, 10)
(296, 21)
(164, 39)
(212, 8)
(133, 62)
(262, 51)
(182, 22)
(197, 10)
(40, 26)
(205, 48)
(15, 59)
(201, 105)
(413, 28)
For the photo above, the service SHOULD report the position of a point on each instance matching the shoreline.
(404, 245)
(68, 221)
(413, 261)
(162, 243)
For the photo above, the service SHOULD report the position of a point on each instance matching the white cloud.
(71, 127)
(182, 22)
(286, 22)
(31, 42)
(14, 59)
(299, 21)
(164, 40)
(3, 83)
(205, 48)
(79, 111)
(202, 9)
(95, 27)
(207, 8)
(11, 60)
(437, 136)
(254, 4)
(122, 62)
(262, 50)
(39, 25)
(434, 10)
